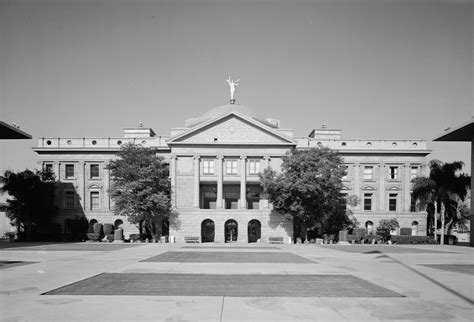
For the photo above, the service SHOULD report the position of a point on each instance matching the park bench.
(191, 239)
(275, 240)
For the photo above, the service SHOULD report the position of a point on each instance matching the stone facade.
(214, 164)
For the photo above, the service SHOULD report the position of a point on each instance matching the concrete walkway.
(443, 292)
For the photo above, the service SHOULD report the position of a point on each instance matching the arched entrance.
(369, 225)
(254, 230)
(230, 231)
(207, 231)
(118, 223)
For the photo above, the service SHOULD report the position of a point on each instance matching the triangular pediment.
(231, 129)
(368, 188)
(393, 188)
(345, 188)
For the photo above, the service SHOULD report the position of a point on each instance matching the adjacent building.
(215, 161)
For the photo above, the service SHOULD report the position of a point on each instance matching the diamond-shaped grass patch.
(225, 285)
(228, 257)
(456, 268)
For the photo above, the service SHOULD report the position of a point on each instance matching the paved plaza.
(222, 282)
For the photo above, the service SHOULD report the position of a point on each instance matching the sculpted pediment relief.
(232, 130)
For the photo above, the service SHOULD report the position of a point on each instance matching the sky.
(374, 69)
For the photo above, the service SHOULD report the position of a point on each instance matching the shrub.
(403, 239)
(118, 234)
(78, 228)
(405, 231)
(98, 229)
(94, 236)
(369, 237)
(108, 229)
(134, 237)
(67, 237)
(385, 227)
(110, 237)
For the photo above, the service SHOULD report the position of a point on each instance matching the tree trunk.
(303, 231)
(443, 209)
(435, 223)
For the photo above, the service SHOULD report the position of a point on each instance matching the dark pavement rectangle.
(232, 247)
(225, 285)
(10, 264)
(69, 246)
(388, 249)
(229, 257)
(456, 268)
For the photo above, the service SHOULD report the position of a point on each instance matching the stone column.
(59, 197)
(107, 186)
(406, 189)
(357, 184)
(219, 183)
(381, 187)
(196, 181)
(173, 180)
(267, 161)
(81, 174)
(243, 182)
(471, 215)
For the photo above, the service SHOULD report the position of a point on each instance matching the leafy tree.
(385, 227)
(141, 188)
(438, 190)
(32, 202)
(308, 190)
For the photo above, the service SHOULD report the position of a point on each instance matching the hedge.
(94, 236)
(405, 231)
(108, 229)
(399, 239)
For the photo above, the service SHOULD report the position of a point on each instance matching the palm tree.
(443, 184)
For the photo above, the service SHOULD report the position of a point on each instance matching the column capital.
(196, 156)
(243, 157)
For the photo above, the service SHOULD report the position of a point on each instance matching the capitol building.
(214, 163)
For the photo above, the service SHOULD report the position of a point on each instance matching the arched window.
(207, 231)
(118, 223)
(231, 231)
(254, 230)
(369, 225)
(91, 225)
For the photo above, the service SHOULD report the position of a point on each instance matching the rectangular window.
(393, 173)
(48, 167)
(208, 166)
(345, 176)
(95, 204)
(70, 200)
(413, 205)
(254, 166)
(392, 202)
(344, 199)
(368, 173)
(69, 171)
(413, 172)
(231, 167)
(367, 201)
(94, 171)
